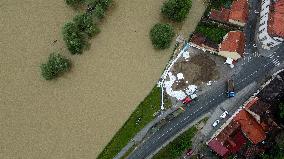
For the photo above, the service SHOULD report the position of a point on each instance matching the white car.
(224, 115)
(216, 123)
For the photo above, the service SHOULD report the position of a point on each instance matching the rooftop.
(276, 21)
(222, 15)
(229, 140)
(199, 39)
(239, 11)
(250, 127)
(234, 41)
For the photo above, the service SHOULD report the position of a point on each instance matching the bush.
(74, 3)
(85, 24)
(162, 35)
(55, 65)
(176, 10)
(99, 12)
(103, 3)
(73, 39)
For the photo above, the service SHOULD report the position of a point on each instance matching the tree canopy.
(176, 10)
(55, 65)
(73, 39)
(162, 35)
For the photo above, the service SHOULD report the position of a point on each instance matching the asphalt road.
(251, 69)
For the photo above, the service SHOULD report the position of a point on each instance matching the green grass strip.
(144, 114)
(175, 148)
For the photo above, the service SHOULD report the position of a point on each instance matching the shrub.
(74, 3)
(73, 39)
(55, 65)
(162, 35)
(99, 12)
(176, 10)
(85, 24)
(103, 3)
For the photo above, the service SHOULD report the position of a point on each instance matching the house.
(221, 16)
(234, 136)
(239, 12)
(202, 41)
(250, 127)
(276, 21)
(270, 31)
(233, 45)
(229, 140)
(263, 114)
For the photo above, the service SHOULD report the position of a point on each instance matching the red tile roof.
(250, 127)
(229, 140)
(217, 146)
(234, 42)
(222, 15)
(239, 11)
(276, 21)
(239, 140)
(198, 39)
(251, 103)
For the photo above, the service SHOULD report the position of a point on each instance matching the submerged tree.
(55, 65)
(162, 35)
(73, 38)
(176, 10)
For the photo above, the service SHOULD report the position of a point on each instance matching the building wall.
(233, 55)
(236, 22)
(266, 40)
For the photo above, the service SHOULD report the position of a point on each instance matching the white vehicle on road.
(216, 123)
(224, 115)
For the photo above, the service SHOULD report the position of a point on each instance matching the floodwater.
(76, 115)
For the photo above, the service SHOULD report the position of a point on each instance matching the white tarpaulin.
(229, 61)
(180, 76)
(185, 55)
(180, 95)
(190, 89)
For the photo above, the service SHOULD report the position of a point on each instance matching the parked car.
(216, 122)
(224, 115)
(189, 99)
(189, 152)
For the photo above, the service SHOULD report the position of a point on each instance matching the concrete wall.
(236, 22)
(233, 55)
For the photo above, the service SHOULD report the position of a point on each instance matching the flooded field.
(76, 115)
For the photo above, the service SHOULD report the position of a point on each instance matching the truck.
(188, 99)
(230, 88)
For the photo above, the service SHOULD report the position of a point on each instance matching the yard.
(212, 31)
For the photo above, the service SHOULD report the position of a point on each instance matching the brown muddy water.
(76, 115)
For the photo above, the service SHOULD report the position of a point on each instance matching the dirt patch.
(199, 68)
